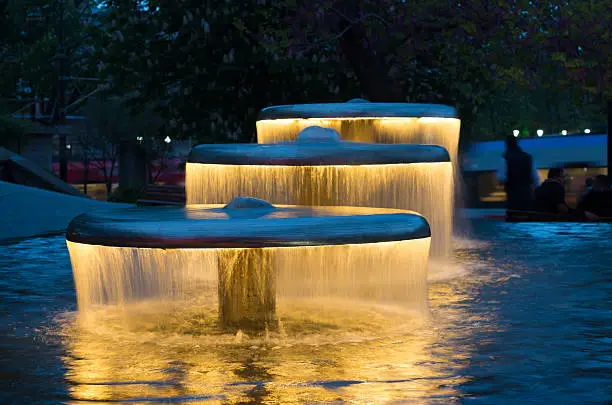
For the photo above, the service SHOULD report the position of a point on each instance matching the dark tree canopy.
(209, 66)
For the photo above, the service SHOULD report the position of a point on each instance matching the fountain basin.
(412, 177)
(241, 260)
(220, 227)
(352, 110)
(317, 154)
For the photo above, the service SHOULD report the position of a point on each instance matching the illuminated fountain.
(362, 121)
(320, 170)
(235, 262)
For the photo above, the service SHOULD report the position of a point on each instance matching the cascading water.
(394, 123)
(361, 121)
(235, 263)
(413, 177)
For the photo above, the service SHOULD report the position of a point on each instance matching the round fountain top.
(317, 154)
(208, 226)
(356, 109)
(248, 203)
(317, 134)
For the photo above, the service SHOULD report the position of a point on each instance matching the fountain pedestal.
(247, 289)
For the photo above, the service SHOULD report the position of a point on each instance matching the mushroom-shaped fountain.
(321, 170)
(361, 121)
(241, 258)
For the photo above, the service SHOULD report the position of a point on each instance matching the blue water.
(529, 320)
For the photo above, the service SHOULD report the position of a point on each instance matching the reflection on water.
(353, 354)
(507, 324)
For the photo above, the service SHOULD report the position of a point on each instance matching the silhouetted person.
(588, 186)
(519, 176)
(550, 196)
(597, 202)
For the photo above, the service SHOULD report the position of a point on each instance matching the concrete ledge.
(29, 212)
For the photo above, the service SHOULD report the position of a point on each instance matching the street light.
(587, 131)
(167, 140)
(564, 132)
(540, 132)
(515, 133)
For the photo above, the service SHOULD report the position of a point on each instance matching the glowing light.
(167, 139)
(564, 132)
(540, 132)
(516, 133)
(587, 131)
(426, 188)
(68, 146)
(393, 272)
(139, 138)
(424, 130)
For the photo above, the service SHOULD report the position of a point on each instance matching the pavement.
(27, 212)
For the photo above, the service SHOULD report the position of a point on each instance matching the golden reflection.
(426, 188)
(364, 364)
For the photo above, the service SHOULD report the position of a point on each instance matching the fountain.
(237, 260)
(362, 121)
(320, 170)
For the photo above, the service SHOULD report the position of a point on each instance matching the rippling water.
(523, 316)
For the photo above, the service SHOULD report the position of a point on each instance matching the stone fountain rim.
(167, 228)
(365, 110)
(317, 154)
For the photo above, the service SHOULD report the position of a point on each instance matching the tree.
(214, 65)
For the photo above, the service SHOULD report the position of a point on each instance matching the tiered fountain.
(247, 254)
(319, 169)
(361, 121)
(329, 242)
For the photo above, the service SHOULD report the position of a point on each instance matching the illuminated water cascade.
(413, 177)
(427, 124)
(235, 263)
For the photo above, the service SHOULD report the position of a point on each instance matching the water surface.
(524, 317)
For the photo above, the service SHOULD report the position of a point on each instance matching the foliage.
(207, 67)
(109, 125)
(213, 64)
(11, 130)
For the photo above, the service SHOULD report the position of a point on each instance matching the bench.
(162, 195)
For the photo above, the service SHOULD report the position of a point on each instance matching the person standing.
(519, 176)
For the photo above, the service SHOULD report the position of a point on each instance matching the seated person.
(588, 186)
(597, 202)
(550, 196)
